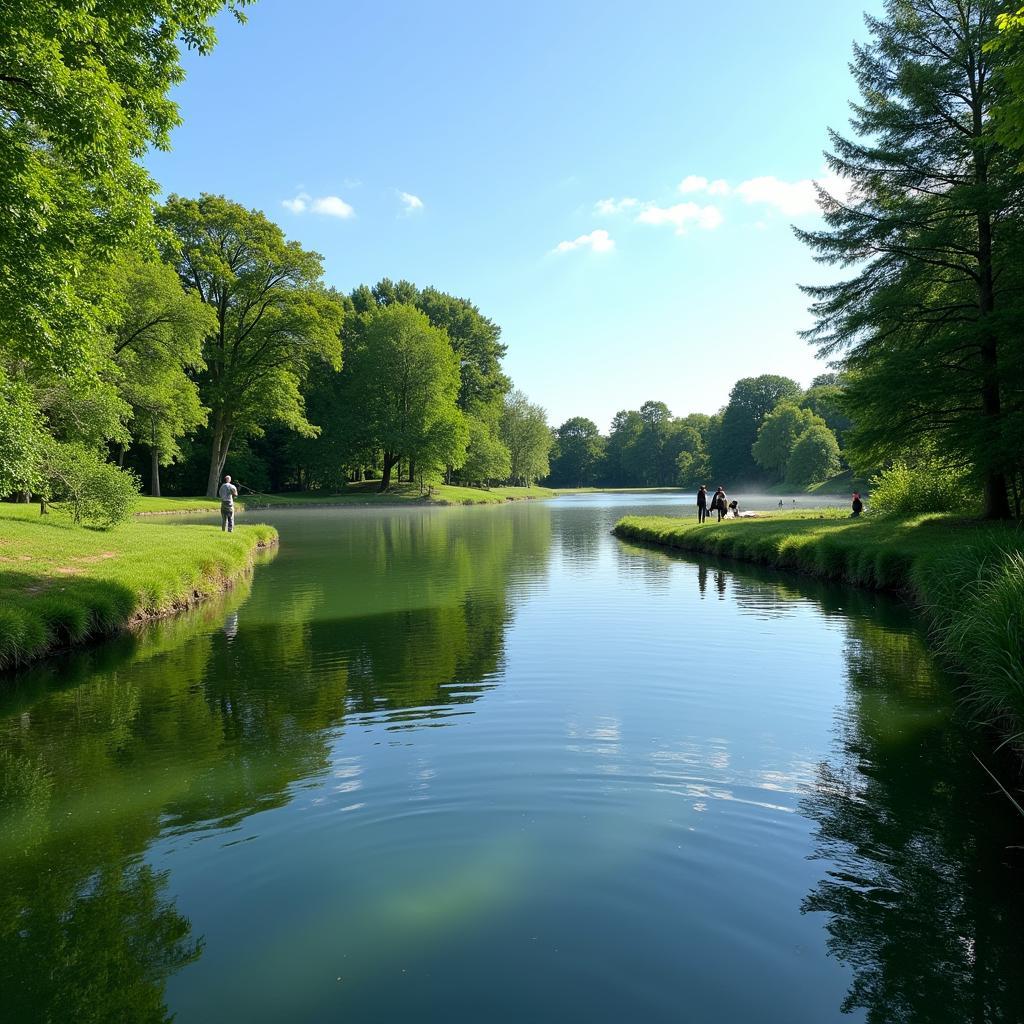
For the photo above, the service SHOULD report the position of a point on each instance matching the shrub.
(905, 490)
(92, 492)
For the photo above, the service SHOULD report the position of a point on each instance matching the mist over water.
(492, 763)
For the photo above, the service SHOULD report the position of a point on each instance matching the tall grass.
(967, 578)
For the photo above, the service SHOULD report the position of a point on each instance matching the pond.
(493, 764)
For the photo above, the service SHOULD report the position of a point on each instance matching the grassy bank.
(843, 484)
(62, 585)
(966, 577)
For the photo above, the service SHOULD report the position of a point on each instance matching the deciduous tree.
(83, 95)
(273, 317)
(524, 430)
(403, 388)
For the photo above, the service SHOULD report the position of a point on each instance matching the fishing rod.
(259, 494)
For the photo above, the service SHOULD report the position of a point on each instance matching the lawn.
(62, 584)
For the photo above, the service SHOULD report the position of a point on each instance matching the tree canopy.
(404, 387)
(273, 317)
(83, 94)
(928, 325)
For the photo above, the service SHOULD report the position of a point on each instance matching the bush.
(905, 490)
(92, 492)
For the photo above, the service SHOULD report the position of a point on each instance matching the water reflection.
(922, 888)
(923, 858)
(200, 722)
(602, 792)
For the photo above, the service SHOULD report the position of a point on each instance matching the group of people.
(719, 502)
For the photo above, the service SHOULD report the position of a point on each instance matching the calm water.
(495, 765)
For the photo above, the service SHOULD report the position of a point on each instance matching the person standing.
(227, 492)
(702, 503)
(720, 502)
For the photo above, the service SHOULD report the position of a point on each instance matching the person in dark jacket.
(858, 505)
(702, 503)
(720, 502)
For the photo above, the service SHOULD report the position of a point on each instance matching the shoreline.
(965, 578)
(63, 587)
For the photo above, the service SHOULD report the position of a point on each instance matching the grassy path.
(62, 585)
(967, 578)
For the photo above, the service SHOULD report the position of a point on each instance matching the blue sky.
(611, 183)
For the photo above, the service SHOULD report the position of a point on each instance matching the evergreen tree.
(929, 325)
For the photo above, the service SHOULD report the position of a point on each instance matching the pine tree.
(929, 326)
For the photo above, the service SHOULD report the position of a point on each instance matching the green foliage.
(827, 401)
(273, 317)
(927, 486)
(524, 432)
(1008, 114)
(778, 434)
(927, 326)
(750, 400)
(692, 463)
(91, 491)
(83, 95)
(577, 453)
(487, 458)
(22, 437)
(402, 391)
(814, 457)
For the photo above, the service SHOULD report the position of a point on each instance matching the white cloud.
(332, 206)
(698, 183)
(604, 207)
(682, 216)
(793, 198)
(296, 205)
(410, 202)
(329, 206)
(598, 241)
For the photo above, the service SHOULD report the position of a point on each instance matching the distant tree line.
(771, 431)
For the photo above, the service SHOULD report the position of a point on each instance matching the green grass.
(966, 576)
(62, 585)
(845, 484)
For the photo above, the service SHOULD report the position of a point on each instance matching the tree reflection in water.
(201, 721)
(923, 895)
(924, 887)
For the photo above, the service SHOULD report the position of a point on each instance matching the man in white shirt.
(227, 492)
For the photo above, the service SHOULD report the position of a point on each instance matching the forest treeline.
(138, 337)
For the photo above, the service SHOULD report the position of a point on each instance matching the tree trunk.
(154, 476)
(412, 471)
(121, 449)
(389, 463)
(997, 501)
(218, 455)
